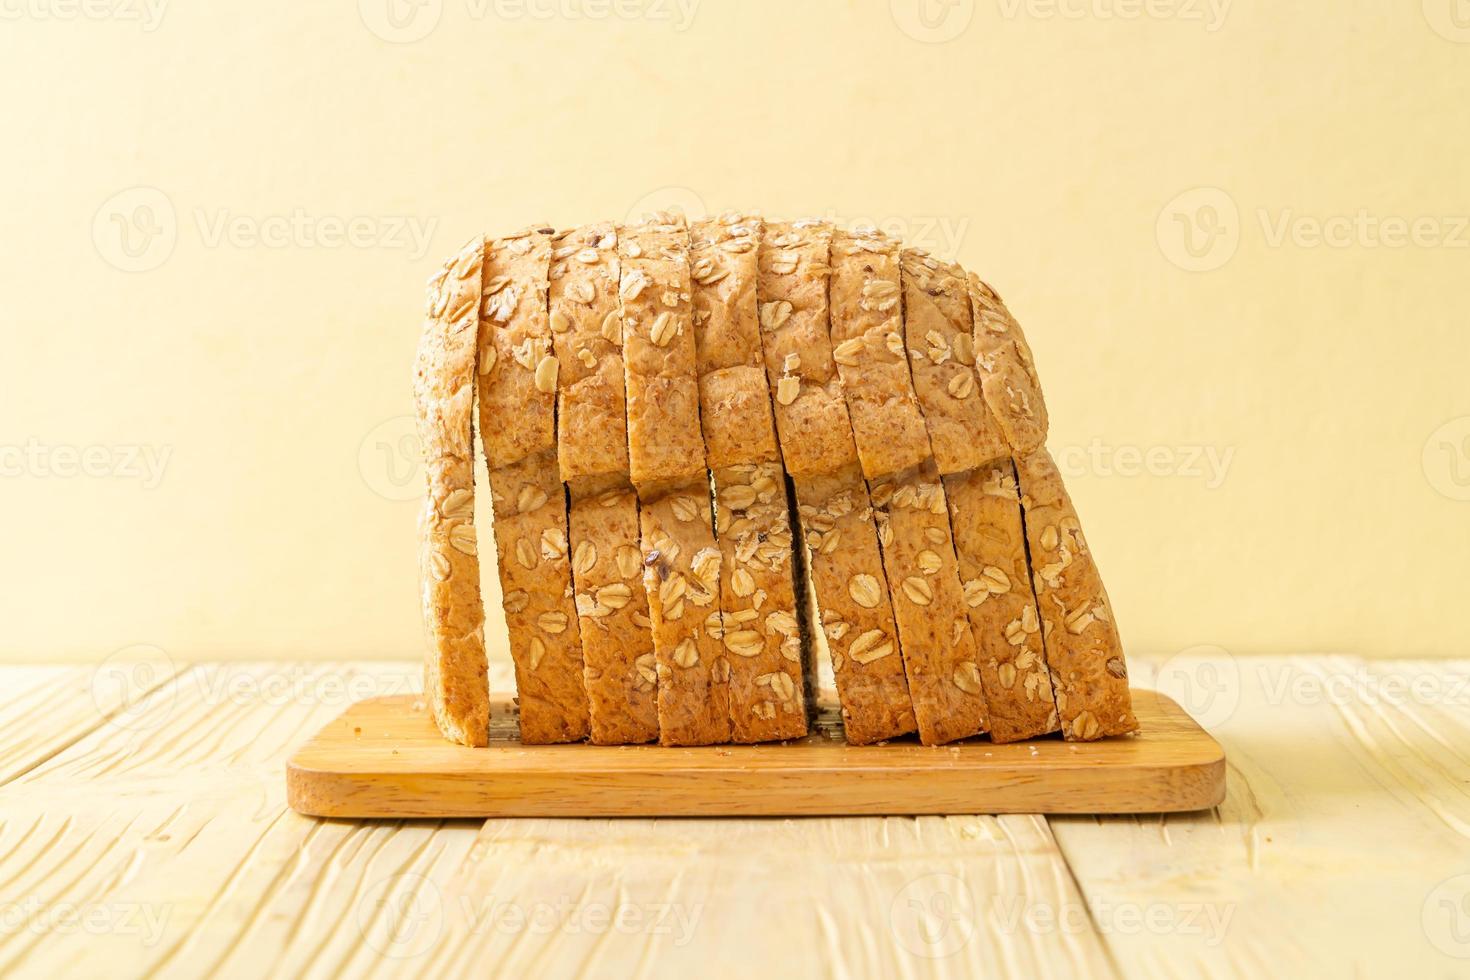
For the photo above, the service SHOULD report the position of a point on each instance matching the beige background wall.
(1236, 233)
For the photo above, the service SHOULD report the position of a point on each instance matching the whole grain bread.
(665, 448)
(985, 514)
(536, 589)
(586, 331)
(816, 440)
(602, 521)
(617, 639)
(937, 646)
(811, 415)
(681, 576)
(868, 348)
(762, 623)
(517, 367)
(1089, 675)
(667, 465)
(940, 343)
(449, 566)
(853, 604)
(939, 651)
(1008, 376)
(517, 388)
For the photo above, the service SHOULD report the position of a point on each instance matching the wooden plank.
(181, 840)
(45, 709)
(819, 897)
(385, 758)
(1341, 847)
(149, 829)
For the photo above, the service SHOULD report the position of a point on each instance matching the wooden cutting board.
(385, 758)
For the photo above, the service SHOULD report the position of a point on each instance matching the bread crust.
(763, 628)
(1089, 674)
(449, 566)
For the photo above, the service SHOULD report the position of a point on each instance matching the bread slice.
(985, 515)
(941, 352)
(1008, 377)
(602, 519)
(667, 463)
(449, 567)
(518, 383)
(939, 652)
(763, 628)
(969, 447)
(620, 671)
(536, 586)
(1089, 676)
(868, 347)
(816, 440)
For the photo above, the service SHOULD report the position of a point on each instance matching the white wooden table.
(143, 829)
